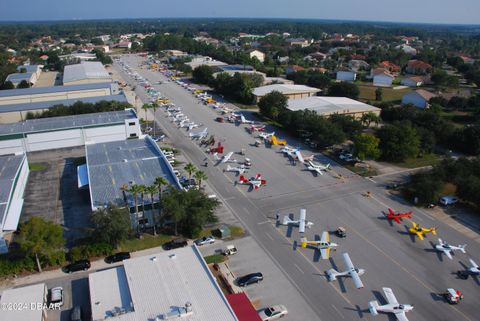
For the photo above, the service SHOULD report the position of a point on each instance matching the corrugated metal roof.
(284, 89)
(84, 70)
(76, 121)
(67, 102)
(162, 283)
(29, 68)
(9, 167)
(24, 297)
(55, 89)
(329, 105)
(17, 77)
(134, 161)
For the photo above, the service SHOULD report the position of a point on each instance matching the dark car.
(175, 244)
(81, 265)
(250, 278)
(117, 257)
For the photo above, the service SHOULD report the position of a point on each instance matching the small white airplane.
(192, 125)
(318, 168)
(301, 222)
(392, 307)
(243, 120)
(351, 271)
(266, 136)
(199, 135)
(448, 249)
(240, 170)
(474, 269)
(228, 158)
(324, 245)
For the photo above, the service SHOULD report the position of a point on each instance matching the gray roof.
(324, 105)
(55, 89)
(28, 68)
(9, 167)
(17, 77)
(133, 161)
(64, 122)
(23, 297)
(67, 102)
(284, 89)
(85, 70)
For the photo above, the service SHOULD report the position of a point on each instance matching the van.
(448, 200)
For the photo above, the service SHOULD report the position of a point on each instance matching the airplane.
(199, 135)
(474, 269)
(240, 170)
(421, 231)
(227, 158)
(391, 307)
(216, 150)
(302, 158)
(324, 245)
(397, 217)
(275, 141)
(448, 249)
(243, 120)
(351, 271)
(266, 136)
(301, 222)
(256, 128)
(318, 168)
(192, 126)
(255, 181)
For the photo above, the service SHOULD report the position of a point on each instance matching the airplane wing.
(396, 219)
(390, 296)
(448, 254)
(390, 211)
(325, 237)
(227, 157)
(299, 156)
(325, 253)
(318, 170)
(303, 216)
(401, 316)
(420, 235)
(474, 265)
(353, 273)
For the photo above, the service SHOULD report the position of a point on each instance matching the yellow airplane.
(421, 231)
(323, 245)
(275, 141)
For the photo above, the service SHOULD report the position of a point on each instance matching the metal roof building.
(85, 72)
(113, 87)
(134, 161)
(17, 78)
(291, 91)
(166, 285)
(27, 297)
(326, 106)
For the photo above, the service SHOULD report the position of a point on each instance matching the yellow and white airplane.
(324, 245)
(419, 231)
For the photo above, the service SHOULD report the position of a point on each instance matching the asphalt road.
(390, 256)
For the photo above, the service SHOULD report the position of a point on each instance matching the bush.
(89, 251)
(53, 259)
(17, 266)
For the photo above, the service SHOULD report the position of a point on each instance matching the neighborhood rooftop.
(134, 161)
(149, 287)
(76, 121)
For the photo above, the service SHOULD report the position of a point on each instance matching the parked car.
(205, 240)
(76, 314)
(341, 232)
(448, 200)
(81, 265)
(249, 279)
(175, 244)
(273, 313)
(56, 296)
(230, 250)
(117, 257)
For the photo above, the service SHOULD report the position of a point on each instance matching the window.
(133, 135)
(132, 124)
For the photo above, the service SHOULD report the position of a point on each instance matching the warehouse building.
(326, 106)
(29, 302)
(13, 180)
(68, 131)
(86, 72)
(291, 91)
(111, 165)
(173, 285)
(29, 77)
(33, 95)
(18, 112)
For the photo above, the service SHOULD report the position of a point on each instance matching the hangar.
(326, 106)
(86, 72)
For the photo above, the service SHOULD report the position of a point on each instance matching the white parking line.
(335, 308)
(298, 268)
(269, 236)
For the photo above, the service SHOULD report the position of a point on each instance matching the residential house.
(418, 67)
(413, 81)
(358, 56)
(346, 75)
(419, 98)
(316, 56)
(292, 69)
(257, 54)
(11, 51)
(467, 59)
(124, 44)
(407, 49)
(356, 65)
(390, 66)
(382, 77)
(297, 42)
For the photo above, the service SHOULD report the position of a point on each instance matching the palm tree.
(145, 108)
(135, 190)
(200, 176)
(190, 168)
(125, 188)
(151, 190)
(154, 107)
(143, 189)
(159, 183)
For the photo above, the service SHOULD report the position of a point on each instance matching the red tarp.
(242, 307)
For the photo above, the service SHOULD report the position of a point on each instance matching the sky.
(423, 11)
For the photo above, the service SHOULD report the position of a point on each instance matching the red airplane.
(256, 128)
(255, 182)
(218, 149)
(397, 217)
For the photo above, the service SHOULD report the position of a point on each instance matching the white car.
(56, 296)
(205, 240)
(273, 313)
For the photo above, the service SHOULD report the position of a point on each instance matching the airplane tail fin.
(328, 166)
(434, 230)
(332, 275)
(229, 168)
(242, 179)
(303, 242)
(462, 248)
(286, 220)
(372, 306)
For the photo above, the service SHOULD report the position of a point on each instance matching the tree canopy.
(398, 142)
(111, 225)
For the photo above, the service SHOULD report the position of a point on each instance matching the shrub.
(89, 250)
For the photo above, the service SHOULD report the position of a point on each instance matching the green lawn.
(236, 231)
(34, 167)
(215, 258)
(148, 241)
(426, 160)
(367, 92)
(458, 118)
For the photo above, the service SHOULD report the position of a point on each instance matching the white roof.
(23, 296)
(330, 105)
(284, 89)
(85, 70)
(155, 284)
